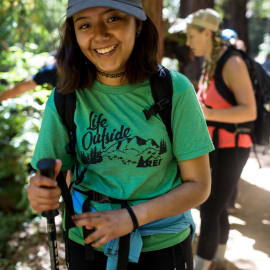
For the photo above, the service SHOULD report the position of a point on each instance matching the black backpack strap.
(66, 106)
(162, 92)
(221, 87)
(89, 251)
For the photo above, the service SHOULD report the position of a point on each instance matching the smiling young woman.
(85, 45)
(126, 182)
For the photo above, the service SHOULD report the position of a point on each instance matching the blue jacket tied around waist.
(173, 224)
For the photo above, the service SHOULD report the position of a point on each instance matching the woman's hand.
(108, 225)
(43, 192)
(206, 111)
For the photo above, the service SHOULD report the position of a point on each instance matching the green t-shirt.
(126, 156)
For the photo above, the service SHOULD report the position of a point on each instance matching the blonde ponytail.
(208, 68)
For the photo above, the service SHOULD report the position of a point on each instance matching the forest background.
(29, 36)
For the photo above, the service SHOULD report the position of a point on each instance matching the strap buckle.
(156, 108)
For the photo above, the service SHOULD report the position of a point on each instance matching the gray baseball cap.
(132, 7)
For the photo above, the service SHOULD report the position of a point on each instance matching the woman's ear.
(208, 33)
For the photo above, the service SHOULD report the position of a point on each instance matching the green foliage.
(28, 31)
(20, 122)
(170, 9)
(259, 8)
(30, 21)
(264, 49)
(13, 152)
(19, 126)
(8, 224)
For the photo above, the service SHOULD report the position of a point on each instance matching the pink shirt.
(212, 98)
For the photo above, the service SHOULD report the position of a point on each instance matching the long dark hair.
(75, 71)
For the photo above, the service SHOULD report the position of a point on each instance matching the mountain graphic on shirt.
(128, 151)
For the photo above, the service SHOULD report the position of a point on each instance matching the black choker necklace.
(118, 75)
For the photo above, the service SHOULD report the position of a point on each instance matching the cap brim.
(129, 9)
(179, 25)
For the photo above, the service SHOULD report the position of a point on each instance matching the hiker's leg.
(214, 216)
(178, 257)
(231, 203)
(242, 157)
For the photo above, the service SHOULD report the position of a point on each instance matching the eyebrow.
(87, 17)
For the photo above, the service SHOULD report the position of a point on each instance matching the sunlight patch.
(255, 175)
(241, 253)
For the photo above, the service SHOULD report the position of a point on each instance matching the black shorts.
(178, 257)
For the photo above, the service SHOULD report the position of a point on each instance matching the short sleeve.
(53, 138)
(190, 133)
(47, 74)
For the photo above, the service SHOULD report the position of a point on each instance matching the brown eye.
(113, 19)
(84, 26)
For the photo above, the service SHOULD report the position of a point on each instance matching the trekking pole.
(46, 168)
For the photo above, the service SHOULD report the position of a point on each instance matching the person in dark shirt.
(47, 74)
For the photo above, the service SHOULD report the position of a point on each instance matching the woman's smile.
(107, 50)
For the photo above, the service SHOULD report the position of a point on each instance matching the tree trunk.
(235, 16)
(154, 12)
(189, 6)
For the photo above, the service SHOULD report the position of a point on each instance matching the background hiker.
(47, 74)
(227, 161)
(231, 36)
(126, 179)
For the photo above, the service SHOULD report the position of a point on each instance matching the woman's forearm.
(194, 190)
(18, 89)
(235, 114)
(184, 197)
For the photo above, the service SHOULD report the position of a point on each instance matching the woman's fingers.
(97, 239)
(86, 219)
(43, 193)
(43, 205)
(43, 187)
(108, 225)
(46, 207)
(42, 181)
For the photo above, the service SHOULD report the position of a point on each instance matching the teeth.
(106, 50)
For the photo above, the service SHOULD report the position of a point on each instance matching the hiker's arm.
(236, 77)
(195, 190)
(18, 89)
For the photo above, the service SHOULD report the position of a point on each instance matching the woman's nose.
(100, 31)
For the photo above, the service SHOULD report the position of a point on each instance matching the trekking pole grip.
(46, 167)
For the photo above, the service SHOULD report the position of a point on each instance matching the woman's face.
(198, 41)
(106, 37)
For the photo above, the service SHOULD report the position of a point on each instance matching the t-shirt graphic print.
(98, 144)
